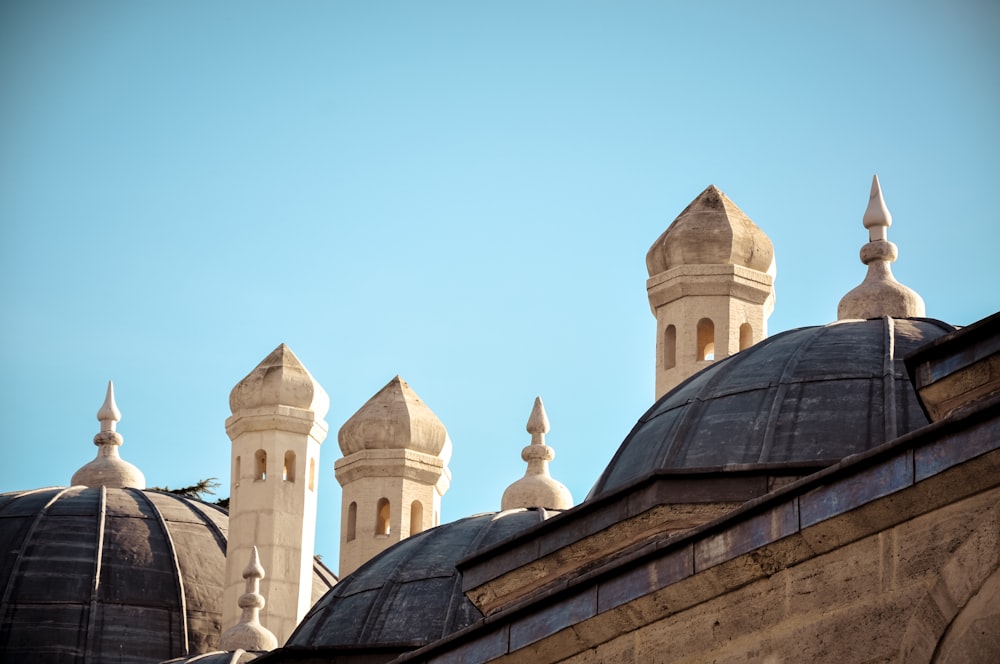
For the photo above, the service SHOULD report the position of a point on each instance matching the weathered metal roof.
(111, 575)
(410, 594)
(807, 397)
(97, 574)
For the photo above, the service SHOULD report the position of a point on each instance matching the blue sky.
(459, 193)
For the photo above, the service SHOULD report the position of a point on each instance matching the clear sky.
(460, 193)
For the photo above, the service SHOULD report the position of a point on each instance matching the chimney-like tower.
(393, 473)
(276, 428)
(710, 287)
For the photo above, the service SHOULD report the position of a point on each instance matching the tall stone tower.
(710, 287)
(277, 427)
(393, 473)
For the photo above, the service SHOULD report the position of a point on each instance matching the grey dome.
(805, 398)
(410, 594)
(103, 574)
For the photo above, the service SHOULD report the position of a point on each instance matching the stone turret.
(109, 469)
(879, 294)
(393, 473)
(537, 489)
(710, 287)
(276, 429)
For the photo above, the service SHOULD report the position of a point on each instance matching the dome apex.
(395, 418)
(879, 294)
(711, 230)
(537, 489)
(108, 468)
(279, 380)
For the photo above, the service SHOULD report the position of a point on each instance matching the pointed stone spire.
(879, 294)
(108, 468)
(248, 633)
(537, 488)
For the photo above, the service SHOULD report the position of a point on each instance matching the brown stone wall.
(921, 591)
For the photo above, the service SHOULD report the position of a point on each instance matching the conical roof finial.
(108, 468)
(248, 633)
(537, 488)
(879, 294)
(109, 415)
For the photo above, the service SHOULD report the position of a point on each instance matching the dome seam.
(195, 507)
(767, 444)
(15, 568)
(178, 575)
(95, 592)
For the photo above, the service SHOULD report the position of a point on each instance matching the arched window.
(416, 517)
(352, 521)
(382, 517)
(670, 347)
(746, 336)
(706, 340)
(260, 465)
(312, 474)
(288, 470)
(236, 472)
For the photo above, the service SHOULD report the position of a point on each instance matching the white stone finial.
(537, 489)
(248, 633)
(108, 468)
(879, 294)
(538, 422)
(109, 415)
(877, 218)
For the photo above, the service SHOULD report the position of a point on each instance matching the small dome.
(395, 418)
(410, 594)
(803, 398)
(112, 575)
(711, 231)
(279, 380)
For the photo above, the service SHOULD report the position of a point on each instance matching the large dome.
(410, 594)
(111, 575)
(805, 398)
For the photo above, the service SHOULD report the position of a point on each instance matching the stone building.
(828, 493)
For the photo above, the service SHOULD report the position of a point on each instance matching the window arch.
(416, 517)
(706, 340)
(260, 465)
(312, 474)
(746, 336)
(382, 513)
(352, 521)
(288, 470)
(670, 347)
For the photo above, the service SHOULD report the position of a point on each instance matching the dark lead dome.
(110, 575)
(92, 574)
(805, 398)
(410, 594)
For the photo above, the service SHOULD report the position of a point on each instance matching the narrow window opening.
(416, 517)
(382, 517)
(236, 472)
(706, 340)
(260, 470)
(670, 347)
(288, 470)
(746, 336)
(312, 474)
(352, 521)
